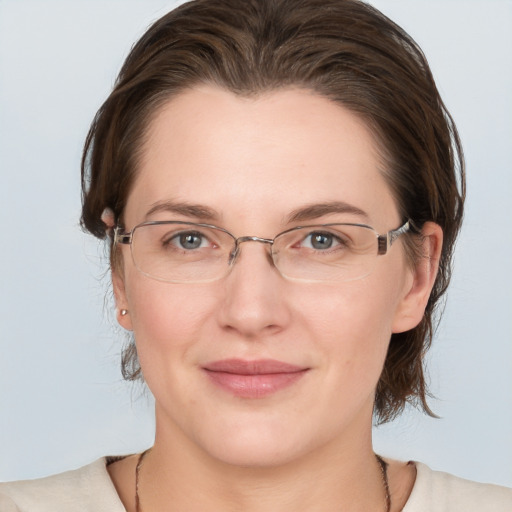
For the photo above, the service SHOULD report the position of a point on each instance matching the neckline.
(423, 476)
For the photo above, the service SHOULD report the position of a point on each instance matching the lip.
(253, 379)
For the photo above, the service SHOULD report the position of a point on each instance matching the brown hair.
(344, 50)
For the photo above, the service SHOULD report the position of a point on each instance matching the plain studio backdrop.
(62, 400)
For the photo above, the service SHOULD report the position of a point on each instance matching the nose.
(254, 303)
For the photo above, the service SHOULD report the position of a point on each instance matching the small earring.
(124, 312)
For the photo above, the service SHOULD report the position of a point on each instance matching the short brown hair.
(344, 50)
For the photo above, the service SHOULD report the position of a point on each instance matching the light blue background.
(62, 401)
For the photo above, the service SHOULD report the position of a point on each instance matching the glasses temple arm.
(122, 238)
(386, 241)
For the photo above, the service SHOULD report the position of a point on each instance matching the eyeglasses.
(187, 252)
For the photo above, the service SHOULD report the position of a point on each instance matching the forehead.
(258, 157)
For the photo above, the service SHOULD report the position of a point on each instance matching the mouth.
(253, 379)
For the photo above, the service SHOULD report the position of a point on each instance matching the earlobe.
(412, 306)
(122, 310)
(108, 218)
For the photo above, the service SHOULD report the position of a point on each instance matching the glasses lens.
(337, 252)
(181, 252)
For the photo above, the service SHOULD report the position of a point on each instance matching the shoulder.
(442, 492)
(82, 490)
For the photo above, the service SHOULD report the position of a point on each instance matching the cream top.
(90, 489)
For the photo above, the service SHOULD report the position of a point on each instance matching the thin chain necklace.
(384, 472)
(382, 464)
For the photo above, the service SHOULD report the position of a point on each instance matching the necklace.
(384, 472)
(382, 464)
(137, 471)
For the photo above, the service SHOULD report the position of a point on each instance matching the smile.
(253, 379)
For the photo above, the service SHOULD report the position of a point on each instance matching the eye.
(320, 241)
(189, 240)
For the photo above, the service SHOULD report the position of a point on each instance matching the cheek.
(356, 307)
(166, 317)
(353, 322)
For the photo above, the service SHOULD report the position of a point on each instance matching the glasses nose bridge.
(243, 239)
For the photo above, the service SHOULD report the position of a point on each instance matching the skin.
(254, 161)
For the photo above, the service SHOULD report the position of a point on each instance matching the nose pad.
(233, 255)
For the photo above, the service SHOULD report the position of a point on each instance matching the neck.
(336, 476)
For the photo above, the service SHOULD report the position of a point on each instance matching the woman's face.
(248, 165)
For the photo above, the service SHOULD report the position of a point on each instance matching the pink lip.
(253, 379)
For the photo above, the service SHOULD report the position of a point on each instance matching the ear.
(412, 306)
(108, 218)
(124, 320)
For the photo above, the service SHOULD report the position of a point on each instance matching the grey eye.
(320, 241)
(190, 240)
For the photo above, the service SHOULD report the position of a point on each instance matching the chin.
(258, 445)
(257, 454)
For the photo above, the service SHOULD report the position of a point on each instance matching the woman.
(282, 187)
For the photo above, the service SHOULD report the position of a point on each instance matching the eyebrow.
(306, 213)
(314, 211)
(186, 209)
